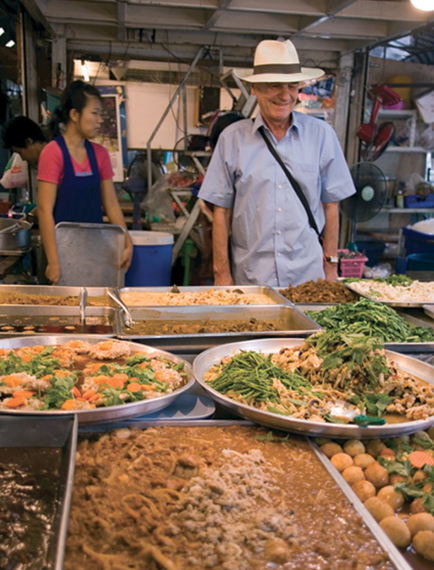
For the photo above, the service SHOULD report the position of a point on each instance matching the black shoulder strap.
(291, 179)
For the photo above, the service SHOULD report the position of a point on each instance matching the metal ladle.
(128, 318)
(82, 305)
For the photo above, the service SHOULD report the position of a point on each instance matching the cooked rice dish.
(209, 297)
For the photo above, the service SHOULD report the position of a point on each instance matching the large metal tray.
(402, 304)
(404, 347)
(385, 543)
(109, 413)
(36, 431)
(274, 295)
(291, 322)
(207, 359)
(54, 320)
(429, 310)
(90, 254)
(99, 293)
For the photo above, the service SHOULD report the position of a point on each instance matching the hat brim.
(306, 74)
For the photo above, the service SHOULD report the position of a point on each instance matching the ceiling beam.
(215, 17)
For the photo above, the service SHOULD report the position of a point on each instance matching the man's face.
(29, 153)
(276, 100)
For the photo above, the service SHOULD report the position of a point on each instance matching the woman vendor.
(75, 176)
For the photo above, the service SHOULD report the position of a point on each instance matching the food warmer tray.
(54, 320)
(404, 347)
(292, 322)
(402, 304)
(36, 431)
(274, 295)
(109, 413)
(207, 359)
(380, 536)
(99, 293)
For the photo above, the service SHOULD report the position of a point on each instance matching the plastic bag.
(427, 139)
(159, 202)
(15, 174)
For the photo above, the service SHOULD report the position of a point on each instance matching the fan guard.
(370, 196)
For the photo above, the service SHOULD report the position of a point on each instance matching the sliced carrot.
(134, 387)
(121, 377)
(16, 402)
(148, 387)
(101, 379)
(134, 379)
(94, 398)
(69, 405)
(80, 399)
(12, 381)
(27, 357)
(89, 394)
(92, 406)
(143, 365)
(420, 458)
(76, 392)
(23, 393)
(61, 373)
(115, 382)
(47, 377)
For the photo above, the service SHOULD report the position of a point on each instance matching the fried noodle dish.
(80, 376)
(310, 381)
(209, 297)
(227, 498)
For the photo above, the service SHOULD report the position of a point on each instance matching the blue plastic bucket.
(152, 260)
(420, 262)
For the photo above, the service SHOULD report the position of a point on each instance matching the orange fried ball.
(364, 490)
(379, 509)
(397, 531)
(377, 475)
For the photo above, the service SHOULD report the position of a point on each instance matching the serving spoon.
(341, 409)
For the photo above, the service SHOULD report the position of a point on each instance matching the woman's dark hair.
(75, 96)
(19, 130)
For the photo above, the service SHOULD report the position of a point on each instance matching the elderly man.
(271, 233)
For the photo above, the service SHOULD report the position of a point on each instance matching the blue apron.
(78, 197)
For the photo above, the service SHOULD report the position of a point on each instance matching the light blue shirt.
(272, 242)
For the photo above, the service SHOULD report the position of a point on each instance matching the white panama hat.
(277, 62)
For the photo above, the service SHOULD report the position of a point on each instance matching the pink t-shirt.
(50, 165)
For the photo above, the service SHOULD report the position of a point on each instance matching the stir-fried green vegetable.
(394, 280)
(371, 319)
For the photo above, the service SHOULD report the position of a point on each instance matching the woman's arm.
(115, 216)
(47, 193)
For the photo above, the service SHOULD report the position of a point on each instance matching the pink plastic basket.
(351, 267)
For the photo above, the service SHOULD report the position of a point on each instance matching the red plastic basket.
(353, 266)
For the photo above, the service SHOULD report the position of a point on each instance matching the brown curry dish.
(158, 327)
(14, 298)
(228, 498)
(319, 291)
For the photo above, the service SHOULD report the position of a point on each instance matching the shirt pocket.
(308, 176)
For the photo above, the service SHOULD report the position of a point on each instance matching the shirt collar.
(259, 121)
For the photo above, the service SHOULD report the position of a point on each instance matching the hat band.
(277, 68)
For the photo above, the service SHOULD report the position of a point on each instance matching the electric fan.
(370, 196)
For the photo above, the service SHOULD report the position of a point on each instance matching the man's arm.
(330, 237)
(220, 246)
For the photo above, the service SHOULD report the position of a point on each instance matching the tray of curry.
(201, 327)
(98, 379)
(37, 458)
(53, 295)
(229, 495)
(318, 386)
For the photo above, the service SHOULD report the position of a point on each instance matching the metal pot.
(14, 234)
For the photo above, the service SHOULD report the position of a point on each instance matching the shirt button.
(280, 186)
(278, 254)
(280, 209)
(279, 232)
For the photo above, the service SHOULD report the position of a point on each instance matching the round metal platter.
(109, 413)
(207, 359)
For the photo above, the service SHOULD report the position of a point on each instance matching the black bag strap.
(291, 179)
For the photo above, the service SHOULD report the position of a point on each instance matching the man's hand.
(225, 279)
(330, 271)
(53, 273)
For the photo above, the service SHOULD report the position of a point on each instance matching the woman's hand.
(52, 273)
(127, 256)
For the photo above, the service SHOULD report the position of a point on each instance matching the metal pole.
(169, 106)
(184, 112)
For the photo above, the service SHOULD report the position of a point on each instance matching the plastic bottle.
(400, 197)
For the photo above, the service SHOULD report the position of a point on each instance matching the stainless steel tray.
(402, 304)
(36, 431)
(405, 347)
(56, 320)
(394, 553)
(207, 359)
(385, 543)
(289, 319)
(274, 296)
(109, 413)
(57, 291)
(90, 254)
(429, 310)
